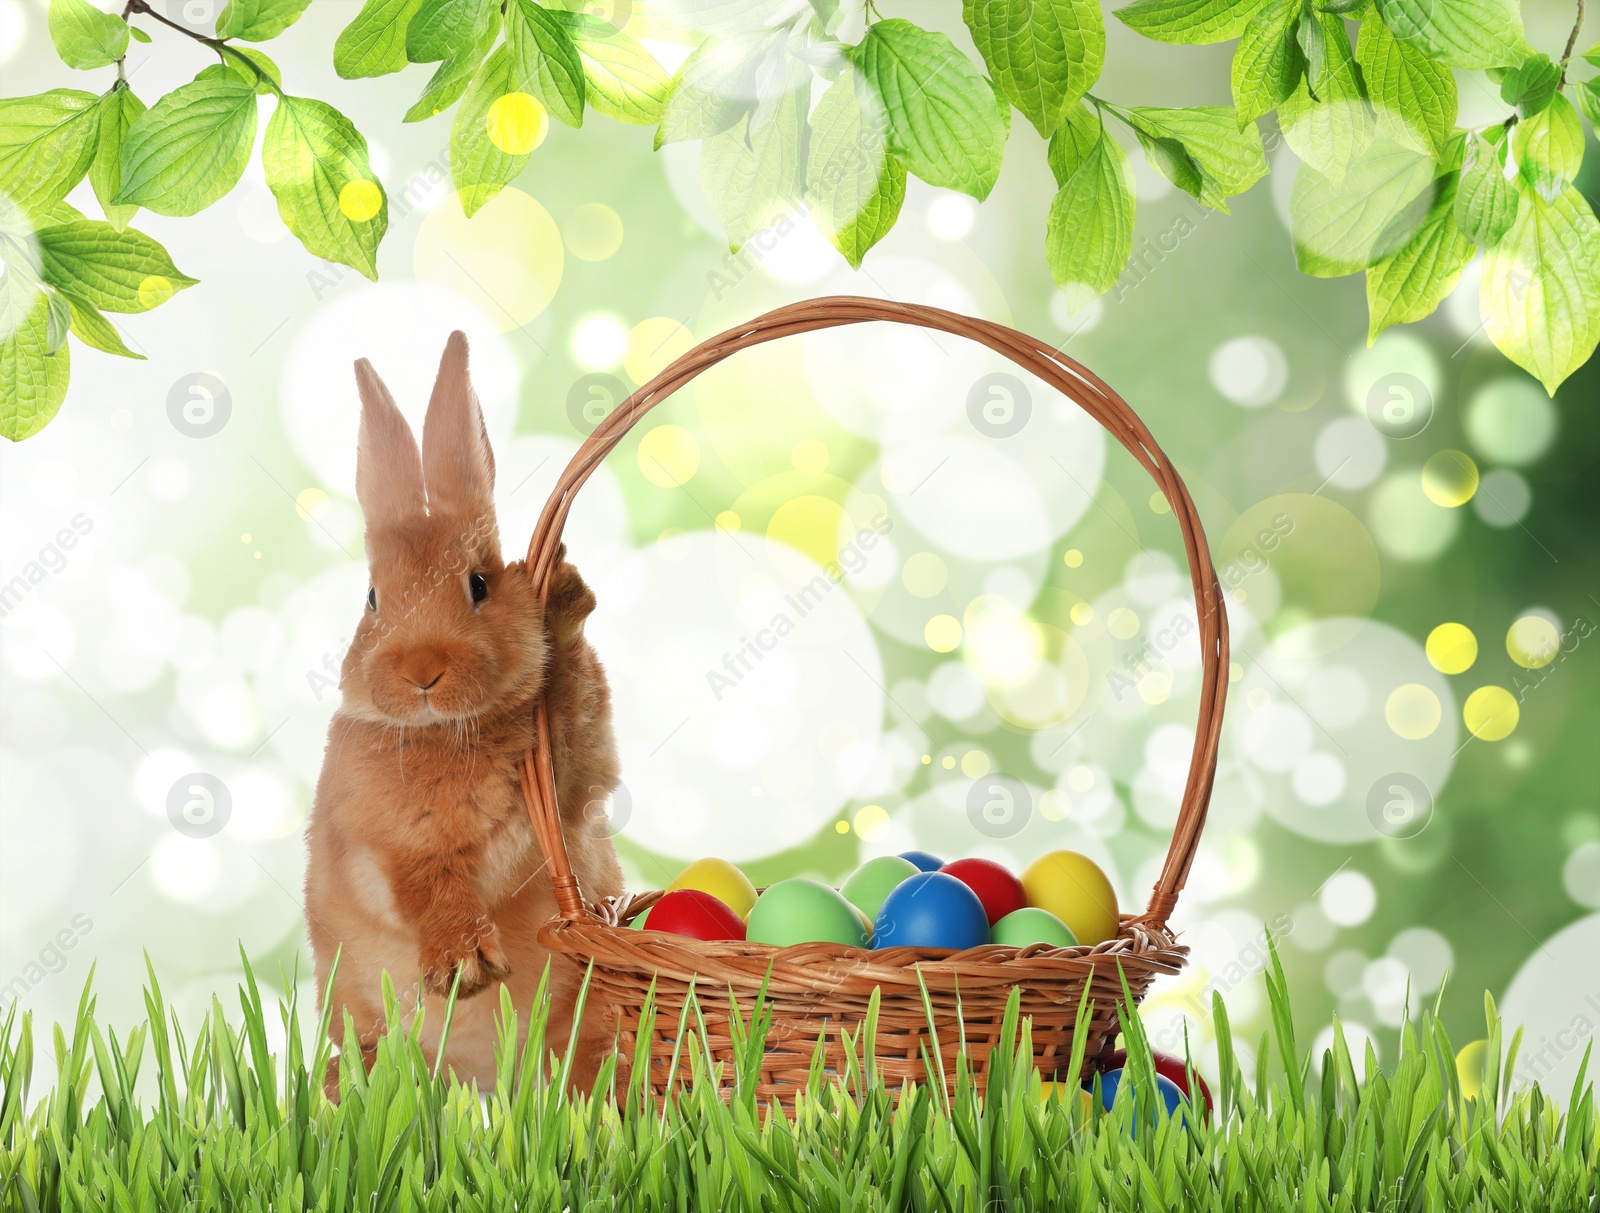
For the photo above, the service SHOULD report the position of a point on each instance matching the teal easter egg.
(801, 910)
(1020, 928)
(869, 884)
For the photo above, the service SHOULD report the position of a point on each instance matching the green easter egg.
(1027, 926)
(869, 884)
(801, 910)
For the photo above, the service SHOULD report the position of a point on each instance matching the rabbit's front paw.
(474, 951)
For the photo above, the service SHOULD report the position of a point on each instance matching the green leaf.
(452, 76)
(944, 121)
(1089, 234)
(442, 28)
(1486, 199)
(94, 330)
(1225, 159)
(755, 172)
(1530, 85)
(853, 186)
(46, 144)
(622, 80)
(1413, 96)
(84, 36)
(714, 88)
(1586, 97)
(33, 381)
(1342, 227)
(1548, 148)
(1471, 34)
(1410, 283)
(58, 321)
(328, 196)
(545, 60)
(1074, 139)
(494, 132)
(1268, 62)
(1330, 131)
(374, 44)
(1189, 22)
(258, 20)
(256, 80)
(189, 148)
(116, 271)
(1540, 291)
(1044, 54)
(137, 34)
(118, 112)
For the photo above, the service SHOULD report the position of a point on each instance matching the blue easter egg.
(1171, 1094)
(931, 910)
(924, 861)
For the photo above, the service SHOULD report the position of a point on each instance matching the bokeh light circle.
(1449, 478)
(1491, 713)
(1511, 421)
(1533, 641)
(1503, 498)
(507, 259)
(1251, 371)
(1452, 648)
(593, 232)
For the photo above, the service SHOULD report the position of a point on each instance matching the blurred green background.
(1004, 666)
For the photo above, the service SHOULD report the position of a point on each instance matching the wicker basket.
(815, 990)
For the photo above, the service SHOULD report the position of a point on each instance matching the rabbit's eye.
(372, 598)
(479, 587)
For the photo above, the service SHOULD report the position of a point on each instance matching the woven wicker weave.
(815, 990)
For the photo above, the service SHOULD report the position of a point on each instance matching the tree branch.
(216, 44)
(1572, 41)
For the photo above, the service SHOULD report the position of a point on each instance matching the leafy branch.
(1388, 184)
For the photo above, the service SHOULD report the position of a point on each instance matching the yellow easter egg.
(722, 880)
(1064, 1092)
(1076, 891)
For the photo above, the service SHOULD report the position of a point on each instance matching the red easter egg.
(1167, 1066)
(695, 914)
(998, 890)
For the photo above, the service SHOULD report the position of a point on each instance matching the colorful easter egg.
(931, 910)
(1169, 1066)
(722, 880)
(1030, 925)
(1076, 891)
(996, 887)
(694, 913)
(924, 861)
(1171, 1096)
(802, 910)
(868, 885)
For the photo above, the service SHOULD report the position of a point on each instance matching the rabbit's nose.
(423, 670)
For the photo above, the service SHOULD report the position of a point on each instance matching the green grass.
(221, 1123)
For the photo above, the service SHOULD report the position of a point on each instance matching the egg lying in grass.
(868, 885)
(696, 914)
(1076, 891)
(722, 880)
(802, 910)
(1065, 1093)
(931, 910)
(1171, 1098)
(1168, 1065)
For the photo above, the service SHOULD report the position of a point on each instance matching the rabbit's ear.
(388, 464)
(457, 463)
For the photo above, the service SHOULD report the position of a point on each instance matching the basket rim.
(601, 936)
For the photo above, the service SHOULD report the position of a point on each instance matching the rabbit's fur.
(422, 860)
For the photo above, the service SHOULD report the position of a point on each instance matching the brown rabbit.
(422, 858)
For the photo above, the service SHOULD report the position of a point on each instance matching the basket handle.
(1087, 390)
